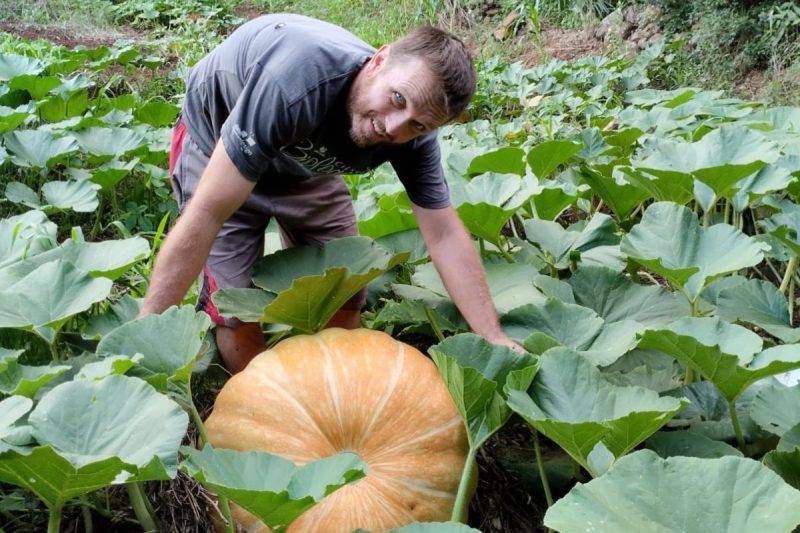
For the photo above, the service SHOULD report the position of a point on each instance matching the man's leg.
(313, 212)
(238, 245)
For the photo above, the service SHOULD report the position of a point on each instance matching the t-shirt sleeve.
(259, 124)
(419, 167)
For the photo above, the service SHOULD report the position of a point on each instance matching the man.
(271, 120)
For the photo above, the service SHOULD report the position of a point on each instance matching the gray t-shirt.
(275, 93)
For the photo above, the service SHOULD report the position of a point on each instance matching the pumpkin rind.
(313, 396)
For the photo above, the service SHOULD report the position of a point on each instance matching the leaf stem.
(54, 521)
(87, 519)
(787, 276)
(141, 506)
(542, 472)
(736, 427)
(434, 326)
(461, 506)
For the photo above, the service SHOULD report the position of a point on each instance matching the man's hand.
(220, 192)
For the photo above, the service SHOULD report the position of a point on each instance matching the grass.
(375, 21)
(85, 16)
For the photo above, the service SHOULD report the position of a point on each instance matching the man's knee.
(238, 345)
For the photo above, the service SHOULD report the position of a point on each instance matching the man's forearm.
(179, 262)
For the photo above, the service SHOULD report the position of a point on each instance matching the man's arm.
(221, 191)
(460, 268)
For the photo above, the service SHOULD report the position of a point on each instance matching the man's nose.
(397, 125)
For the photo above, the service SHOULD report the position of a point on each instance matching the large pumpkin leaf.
(487, 202)
(108, 143)
(786, 464)
(12, 409)
(118, 416)
(38, 148)
(312, 283)
(547, 156)
(108, 259)
(54, 479)
(94, 433)
(479, 375)
(670, 242)
(268, 486)
(24, 380)
(505, 160)
(769, 179)
(689, 444)
(576, 327)
(124, 310)
(615, 297)
(80, 196)
(614, 190)
(756, 302)
(170, 343)
(25, 235)
(786, 227)
(720, 159)
(11, 118)
(776, 408)
(563, 245)
(13, 65)
(643, 492)
(725, 370)
(571, 404)
(47, 297)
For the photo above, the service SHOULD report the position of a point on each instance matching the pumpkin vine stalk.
(461, 506)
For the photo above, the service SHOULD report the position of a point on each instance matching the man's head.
(411, 87)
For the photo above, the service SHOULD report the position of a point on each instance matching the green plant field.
(641, 243)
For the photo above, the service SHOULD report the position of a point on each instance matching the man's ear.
(381, 57)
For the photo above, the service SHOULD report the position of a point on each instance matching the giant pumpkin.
(313, 396)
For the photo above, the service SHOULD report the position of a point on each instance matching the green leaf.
(157, 114)
(488, 204)
(12, 409)
(562, 243)
(11, 118)
(769, 179)
(124, 310)
(86, 421)
(547, 156)
(689, 444)
(643, 492)
(312, 283)
(670, 242)
(108, 142)
(786, 464)
(38, 148)
(572, 326)
(570, 403)
(614, 297)
(786, 227)
(619, 195)
(109, 259)
(720, 159)
(49, 296)
(756, 302)
(25, 236)
(790, 440)
(724, 370)
(13, 65)
(24, 380)
(268, 486)
(776, 408)
(170, 343)
(479, 376)
(505, 160)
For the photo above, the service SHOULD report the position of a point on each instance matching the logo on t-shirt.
(245, 140)
(316, 159)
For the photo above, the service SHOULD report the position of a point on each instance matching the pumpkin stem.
(461, 507)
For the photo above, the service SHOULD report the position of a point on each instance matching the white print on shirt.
(245, 140)
(314, 160)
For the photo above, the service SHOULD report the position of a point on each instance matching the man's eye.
(398, 98)
(418, 126)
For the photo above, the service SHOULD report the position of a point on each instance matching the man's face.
(394, 102)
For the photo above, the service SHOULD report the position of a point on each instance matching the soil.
(67, 37)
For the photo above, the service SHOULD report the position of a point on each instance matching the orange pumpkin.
(313, 396)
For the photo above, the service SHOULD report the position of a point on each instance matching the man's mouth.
(377, 127)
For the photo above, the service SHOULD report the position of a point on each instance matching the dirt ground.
(66, 37)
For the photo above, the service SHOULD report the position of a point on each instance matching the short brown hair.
(449, 60)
